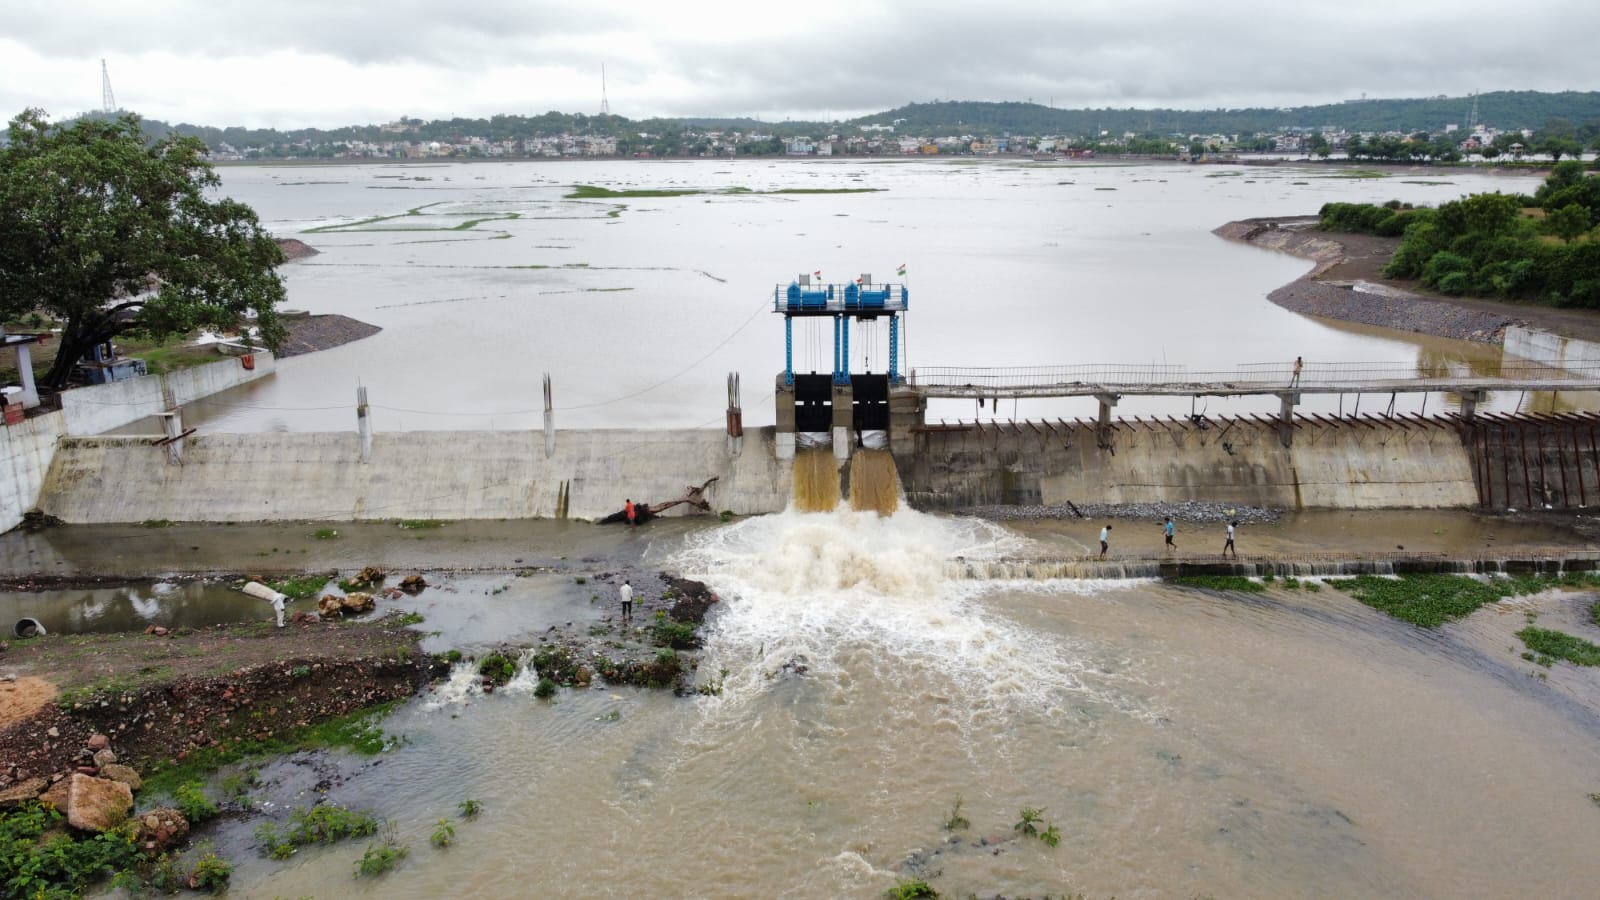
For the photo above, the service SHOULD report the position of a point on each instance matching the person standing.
(1229, 545)
(1299, 364)
(632, 521)
(1105, 540)
(626, 593)
(277, 606)
(1168, 530)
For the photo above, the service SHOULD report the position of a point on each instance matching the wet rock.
(104, 757)
(98, 742)
(20, 793)
(157, 630)
(97, 804)
(367, 577)
(123, 774)
(412, 584)
(330, 606)
(161, 829)
(305, 618)
(357, 602)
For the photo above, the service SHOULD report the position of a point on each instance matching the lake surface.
(484, 277)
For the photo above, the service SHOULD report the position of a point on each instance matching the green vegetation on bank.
(1432, 600)
(1219, 583)
(1539, 249)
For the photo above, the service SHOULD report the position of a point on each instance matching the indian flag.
(901, 271)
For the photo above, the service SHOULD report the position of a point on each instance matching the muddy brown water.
(1183, 743)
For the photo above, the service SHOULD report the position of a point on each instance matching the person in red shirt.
(629, 509)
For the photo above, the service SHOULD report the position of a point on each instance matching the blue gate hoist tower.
(860, 300)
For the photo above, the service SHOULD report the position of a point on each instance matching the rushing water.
(483, 276)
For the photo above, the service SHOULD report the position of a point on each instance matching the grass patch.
(422, 524)
(325, 534)
(317, 825)
(300, 588)
(1432, 600)
(380, 858)
(38, 859)
(669, 633)
(358, 732)
(1219, 583)
(910, 889)
(497, 668)
(1560, 645)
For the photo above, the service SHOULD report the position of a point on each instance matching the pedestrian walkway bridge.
(1261, 379)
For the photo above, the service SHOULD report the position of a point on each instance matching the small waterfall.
(816, 481)
(874, 482)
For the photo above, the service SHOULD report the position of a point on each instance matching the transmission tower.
(605, 105)
(108, 100)
(1472, 125)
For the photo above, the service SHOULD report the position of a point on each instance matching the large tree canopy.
(111, 233)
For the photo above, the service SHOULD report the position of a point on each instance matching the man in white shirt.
(626, 593)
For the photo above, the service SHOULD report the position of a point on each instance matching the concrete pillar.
(30, 393)
(843, 419)
(172, 426)
(364, 423)
(549, 420)
(908, 410)
(735, 417)
(783, 397)
(1470, 401)
(1287, 402)
(1103, 427)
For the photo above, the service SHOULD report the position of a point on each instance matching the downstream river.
(486, 276)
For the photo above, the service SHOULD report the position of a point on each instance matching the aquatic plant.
(191, 800)
(443, 834)
(1029, 823)
(677, 635)
(910, 889)
(1560, 645)
(545, 689)
(325, 534)
(1431, 600)
(318, 825)
(300, 588)
(1051, 835)
(497, 668)
(1219, 583)
(380, 858)
(469, 809)
(956, 821)
(64, 864)
(211, 873)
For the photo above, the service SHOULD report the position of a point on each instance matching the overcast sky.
(298, 63)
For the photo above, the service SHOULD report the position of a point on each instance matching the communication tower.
(1472, 123)
(605, 105)
(108, 100)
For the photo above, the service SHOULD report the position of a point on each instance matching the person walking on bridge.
(1105, 540)
(1299, 364)
(1229, 545)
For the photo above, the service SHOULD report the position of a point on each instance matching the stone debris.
(97, 804)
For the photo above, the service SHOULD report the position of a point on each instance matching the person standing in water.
(632, 513)
(1105, 540)
(626, 594)
(1229, 545)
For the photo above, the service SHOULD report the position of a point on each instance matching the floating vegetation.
(595, 192)
(1432, 600)
(1560, 645)
(1219, 583)
(1425, 181)
(1357, 173)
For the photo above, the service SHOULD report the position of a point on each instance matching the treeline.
(1544, 248)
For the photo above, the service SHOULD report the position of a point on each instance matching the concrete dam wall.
(412, 475)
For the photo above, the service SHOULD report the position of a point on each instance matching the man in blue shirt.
(1168, 531)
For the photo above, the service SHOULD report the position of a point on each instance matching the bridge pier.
(1288, 400)
(1103, 426)
(1470, 401)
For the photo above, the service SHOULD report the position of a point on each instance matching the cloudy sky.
(297, 63)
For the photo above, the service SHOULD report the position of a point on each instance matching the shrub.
(380, 858)
(497, 668)
(444, 834)
(211, 873)
(677, 635)
(545, 689)
(910, 889)
(192, 802)
(469, 809)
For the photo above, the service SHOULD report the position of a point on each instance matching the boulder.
(104, 757)
(122, 773)
(330, 606)
(161, 829)
(56, 794)
(368, 576)
(21, 792)
(98, 742)
(97, 804)
(305, 618)
(357, 602)
(411, 584)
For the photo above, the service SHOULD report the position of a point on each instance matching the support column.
(1288, 400)
(735, 416)
(836, 339)
(894, 349)
(783, 395)
(30, 393)
(844, 413)
(1103, 426)
(1470, 401)
(788, 350)
(549, 420)
(172, 426)
(844, 360)
(364, 423)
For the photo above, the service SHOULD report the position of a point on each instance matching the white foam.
(460, 688)
(850, 595)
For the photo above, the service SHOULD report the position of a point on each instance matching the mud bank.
(1344, 283)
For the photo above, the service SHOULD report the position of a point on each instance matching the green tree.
(112, 234)
(1568, 222)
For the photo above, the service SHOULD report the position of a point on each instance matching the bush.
(211, 873)
(380, 858)
(191, 800)
(545, 689)
(677, 635)
(497, 668)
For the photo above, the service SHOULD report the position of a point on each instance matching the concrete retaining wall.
(102, 407)
(1352, 466)
(25, 453)
(1551, 349)
(414, 475)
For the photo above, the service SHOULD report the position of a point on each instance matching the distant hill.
(1505, 110)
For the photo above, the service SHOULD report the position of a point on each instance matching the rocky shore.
(1347, 283)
